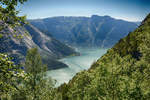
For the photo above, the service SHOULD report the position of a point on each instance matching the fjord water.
(76, 64)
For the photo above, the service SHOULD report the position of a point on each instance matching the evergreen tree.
(38, 85)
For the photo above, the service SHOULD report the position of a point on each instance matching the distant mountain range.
(101, 31)
(49, 48)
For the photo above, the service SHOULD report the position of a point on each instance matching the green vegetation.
(8, 14)
(37, 86)
(121, 74)
(10, 75)
(31, 84)
(16, 83)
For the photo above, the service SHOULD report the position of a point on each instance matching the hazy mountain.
(122, 73)
(96, 30)
(50, 48)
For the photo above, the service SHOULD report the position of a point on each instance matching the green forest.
(123, 73)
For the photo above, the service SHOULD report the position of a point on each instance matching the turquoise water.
(76, 64)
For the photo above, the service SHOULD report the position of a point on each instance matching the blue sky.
(131, 10)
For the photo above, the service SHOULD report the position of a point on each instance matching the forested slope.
(123, 73)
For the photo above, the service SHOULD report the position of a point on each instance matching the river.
(76, 64)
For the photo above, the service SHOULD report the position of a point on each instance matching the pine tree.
(38, 84)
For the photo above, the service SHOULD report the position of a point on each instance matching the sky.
(130, 10)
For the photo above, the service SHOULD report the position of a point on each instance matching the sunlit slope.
(50, 48)
(123, 73)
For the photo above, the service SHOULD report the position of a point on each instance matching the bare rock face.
(49, 48)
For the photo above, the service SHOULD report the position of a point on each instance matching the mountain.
(102, 31)
(123, 73)
(53, 46)
(50, 49)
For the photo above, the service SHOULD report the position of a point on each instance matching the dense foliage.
(8, 12)
(37, 86)
(31, 84)
(15, 82)
(121, 74)
(10, 74)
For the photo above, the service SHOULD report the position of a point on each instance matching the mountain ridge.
(101, 31)
(39, 19)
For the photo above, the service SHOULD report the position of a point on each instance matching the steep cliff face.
(14, 46)
(102, 31)
(50, 48)
(49, 44)
(121, 74)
